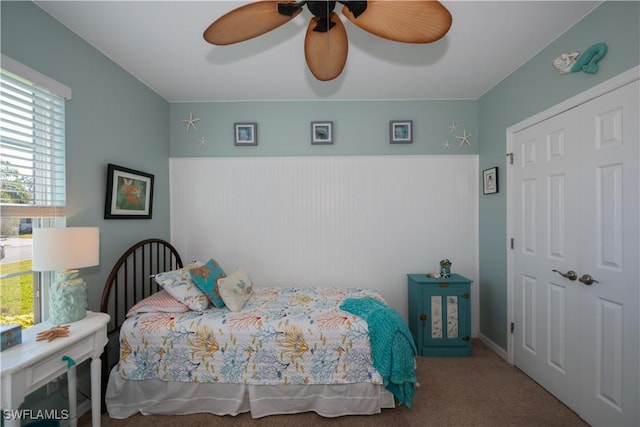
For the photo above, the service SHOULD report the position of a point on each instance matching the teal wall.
(112, 118)
(531, 89)
(360, 127)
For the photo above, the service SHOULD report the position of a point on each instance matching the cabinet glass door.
(447, 318)
(451, 316)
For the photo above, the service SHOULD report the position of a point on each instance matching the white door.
(574, 209)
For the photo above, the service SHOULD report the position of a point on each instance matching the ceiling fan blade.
(326, 52)
(247, 22)
(408, 21)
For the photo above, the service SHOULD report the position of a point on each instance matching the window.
(32, 177)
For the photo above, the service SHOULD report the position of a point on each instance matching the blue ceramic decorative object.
(67, 298)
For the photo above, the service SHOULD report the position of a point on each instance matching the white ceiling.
(161, 44)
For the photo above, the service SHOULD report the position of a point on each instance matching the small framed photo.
(401, 131)
(129, 194)
(490, 181)
(245, 133)
(321, 133)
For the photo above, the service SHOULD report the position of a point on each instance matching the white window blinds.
(32, 143)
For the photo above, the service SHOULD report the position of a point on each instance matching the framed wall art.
(129, 194)
(401, 131)
(321, 133)
(490, 181)
(245, 133)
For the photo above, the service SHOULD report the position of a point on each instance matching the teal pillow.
(206, 279)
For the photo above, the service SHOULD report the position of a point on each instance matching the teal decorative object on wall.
(574, 61)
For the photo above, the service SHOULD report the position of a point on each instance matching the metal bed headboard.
(131, 280)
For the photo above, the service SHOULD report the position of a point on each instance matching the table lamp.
(62, 250)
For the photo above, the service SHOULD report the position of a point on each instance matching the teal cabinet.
(440, 314)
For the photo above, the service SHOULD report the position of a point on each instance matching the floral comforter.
(281, 336)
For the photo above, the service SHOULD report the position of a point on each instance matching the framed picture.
(321, 133)
(490, 181)
(129, 194)
(245, 133)
(401, 131)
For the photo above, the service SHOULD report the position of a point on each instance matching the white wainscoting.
(364, 221)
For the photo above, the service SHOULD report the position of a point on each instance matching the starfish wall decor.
(191, 121)
(464, 138)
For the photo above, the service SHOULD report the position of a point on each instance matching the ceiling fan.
(326, 44)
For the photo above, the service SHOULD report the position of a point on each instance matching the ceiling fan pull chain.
(329, 24)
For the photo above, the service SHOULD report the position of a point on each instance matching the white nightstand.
(32, 364)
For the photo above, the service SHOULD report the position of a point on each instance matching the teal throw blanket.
(392, 348)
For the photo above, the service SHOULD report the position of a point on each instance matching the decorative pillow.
(236, 289)
(179, 285)
(159, 302)
(206, 279)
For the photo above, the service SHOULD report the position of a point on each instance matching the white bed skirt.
(125, 398)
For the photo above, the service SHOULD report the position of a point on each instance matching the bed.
(244, 348)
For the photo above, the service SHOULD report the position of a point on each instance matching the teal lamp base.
(67, 298)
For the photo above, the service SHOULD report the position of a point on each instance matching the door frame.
(576, 100)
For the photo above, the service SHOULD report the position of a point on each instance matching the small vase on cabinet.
(445, 268)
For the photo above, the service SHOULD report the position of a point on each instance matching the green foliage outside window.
(16, 294)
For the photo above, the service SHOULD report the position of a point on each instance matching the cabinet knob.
(423, 317)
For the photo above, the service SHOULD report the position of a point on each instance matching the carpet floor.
(481, 390)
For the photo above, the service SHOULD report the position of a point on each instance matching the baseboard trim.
(493, 346)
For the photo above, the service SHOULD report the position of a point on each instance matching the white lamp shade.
(65, 248)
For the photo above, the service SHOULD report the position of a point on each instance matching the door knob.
(571, 275)
(588, 280)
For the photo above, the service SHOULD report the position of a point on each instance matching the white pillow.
(179, 285)
(235, 289)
